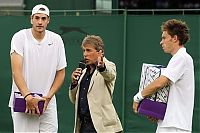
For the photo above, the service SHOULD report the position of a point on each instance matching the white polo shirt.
(41, 60)
(180, 71)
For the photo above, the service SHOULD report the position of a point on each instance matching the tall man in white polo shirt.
(38, 66)
(180, 75)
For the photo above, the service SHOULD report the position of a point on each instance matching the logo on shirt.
(50, 44)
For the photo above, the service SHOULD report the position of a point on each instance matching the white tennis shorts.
(45, 123)
(171, 130)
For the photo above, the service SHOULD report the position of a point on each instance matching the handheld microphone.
(82, 65)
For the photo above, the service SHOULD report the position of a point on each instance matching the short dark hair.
(177, 27)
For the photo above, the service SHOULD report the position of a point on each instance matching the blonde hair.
(94, 40)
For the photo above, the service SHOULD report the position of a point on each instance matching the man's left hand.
(135, 107)
(47, 100)
(100, 62)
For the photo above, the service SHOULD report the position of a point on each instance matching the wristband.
(27, 95)
(138, 97)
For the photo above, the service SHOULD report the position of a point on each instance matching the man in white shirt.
(179, 74)
(38, 66)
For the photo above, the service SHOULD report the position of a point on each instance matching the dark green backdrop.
(129, 41)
